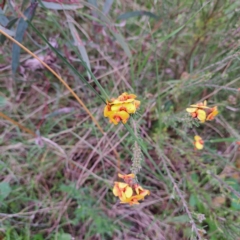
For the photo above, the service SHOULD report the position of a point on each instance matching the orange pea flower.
(202, 112)
(129, 192)
(140, 194)
(198, 143)
(122, 190)
(119, 109)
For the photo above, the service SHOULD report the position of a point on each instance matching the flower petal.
(191, 110)
(128, 176)
(122, 185)
(198, 145)
(128, 192)
(138, 189)
(124, 116)
(137, 103)
(213, 114)
(141, 192)
(106, 111)
(116, 191)
(125, 96)
(131, 108)
(111, 116)
(201, 115)
(127, 107)
(197, 138)
(200, 105)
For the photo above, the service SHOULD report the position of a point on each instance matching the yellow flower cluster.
(119, 109)
(128, 191)
(202, 112)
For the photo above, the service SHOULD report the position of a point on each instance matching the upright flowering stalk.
(119, 110)
(137, 152)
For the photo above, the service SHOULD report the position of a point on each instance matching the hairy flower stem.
(137, 152)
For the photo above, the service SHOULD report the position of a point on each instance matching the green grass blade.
(21, 28)
(79, 44)
(3, 19)
(113, 30)
(222, 140)
(107, 6)
(81, 77)
(184, 25)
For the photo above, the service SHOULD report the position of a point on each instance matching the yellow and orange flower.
(134, 199)
(119, 109)
(198, 143)
(202, 112)
(122, 190)
(129, 192)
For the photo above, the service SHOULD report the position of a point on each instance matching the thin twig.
(17, 124)
(194, 227)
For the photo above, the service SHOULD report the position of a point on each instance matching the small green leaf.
(107, 6)
(193, 200)
(122, 42)
(21, 28)
(38, 237)
(3, 19)
(5, 190)
(2, 101)
(235, 201)
(179, 219)
(63, 236)
(9, 32)
(195, 177)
